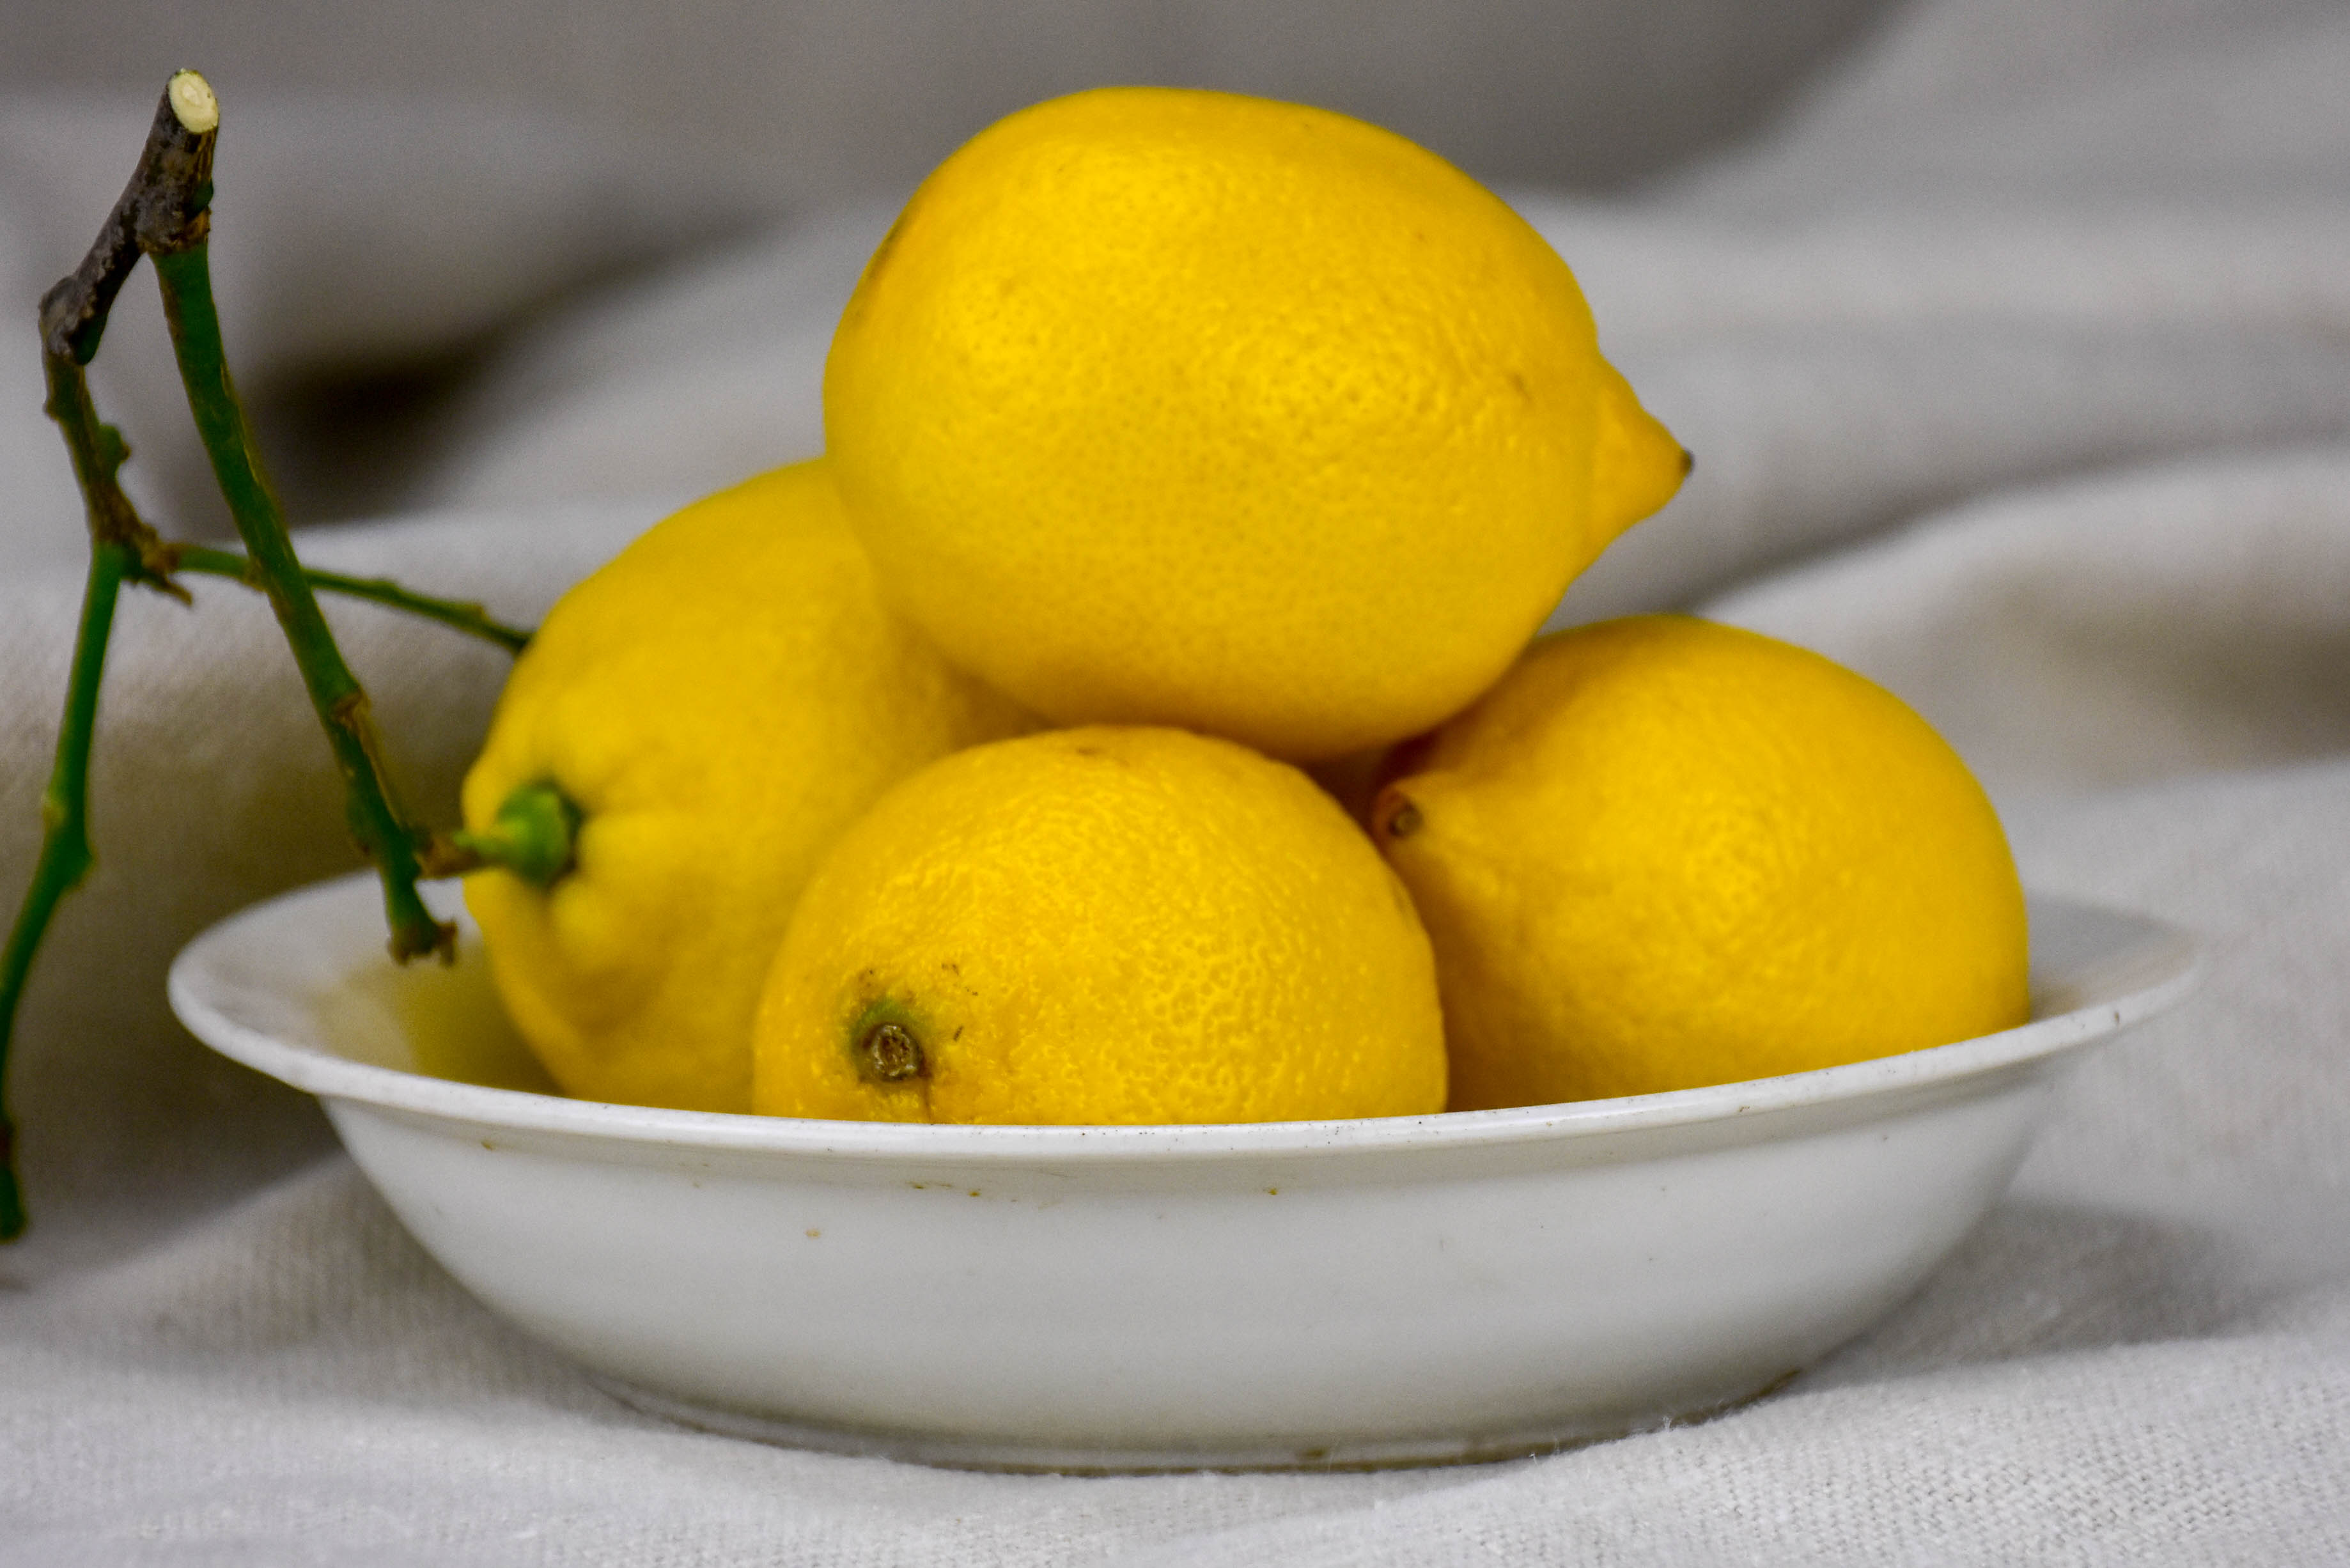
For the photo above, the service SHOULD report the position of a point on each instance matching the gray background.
(820, 98)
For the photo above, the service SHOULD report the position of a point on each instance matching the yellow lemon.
(1664, 853)
(1102, 926)
(711, 709)
(1182, 408)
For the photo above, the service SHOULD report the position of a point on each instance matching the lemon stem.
(534, 835)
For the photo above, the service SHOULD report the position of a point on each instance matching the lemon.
(715, 705)
(1664, 853)
(1183, 408)
(1102, 925)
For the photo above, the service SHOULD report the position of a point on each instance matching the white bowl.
(1296, 1293)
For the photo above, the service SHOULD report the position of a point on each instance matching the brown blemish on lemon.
(888, 1053)
(884, 1041)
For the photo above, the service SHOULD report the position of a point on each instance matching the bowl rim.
(2163, 967)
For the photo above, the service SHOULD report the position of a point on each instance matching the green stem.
(65, 858)
(119, 542)
(463, 615)
(174, 163)
(534, 835)
(161, 213)
(376, 819)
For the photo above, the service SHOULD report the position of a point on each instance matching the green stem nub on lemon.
(534, 834)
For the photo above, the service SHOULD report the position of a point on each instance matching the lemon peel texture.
(1102, 925)
(1663, 852)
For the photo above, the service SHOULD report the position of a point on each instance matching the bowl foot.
(980, 1453)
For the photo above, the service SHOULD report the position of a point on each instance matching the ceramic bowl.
(1296, 1293)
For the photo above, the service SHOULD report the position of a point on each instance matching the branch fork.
(162, 215)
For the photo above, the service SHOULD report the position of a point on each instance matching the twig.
(463, 615)
(161, 213)
(166, 195)
(123, 548)
(65, 856)
(171, 229)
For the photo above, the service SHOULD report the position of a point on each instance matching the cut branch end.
(194, 102)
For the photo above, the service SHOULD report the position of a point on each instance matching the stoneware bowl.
(1409, 1290)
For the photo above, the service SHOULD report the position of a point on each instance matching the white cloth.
(2032, 332)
